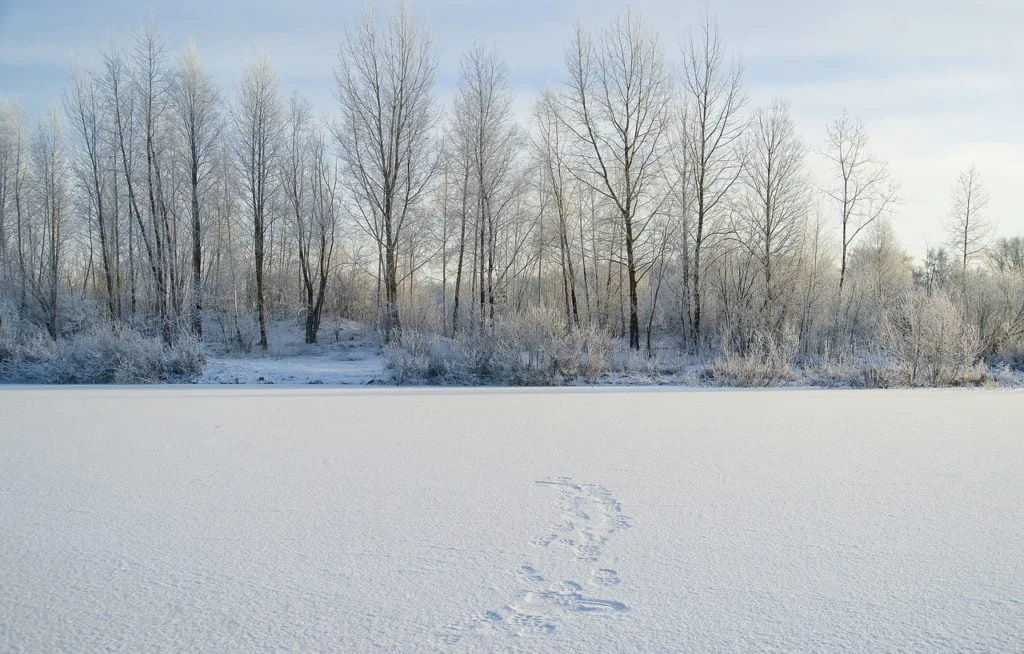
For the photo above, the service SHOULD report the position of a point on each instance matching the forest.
(644, 218)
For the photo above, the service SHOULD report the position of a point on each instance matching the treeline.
(644, 199)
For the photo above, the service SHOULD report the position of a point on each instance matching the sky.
(939, 84)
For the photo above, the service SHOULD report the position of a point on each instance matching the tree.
(968, 227)
(151, 87)
(483, 128)
(937, 269)
(258, 125)
(1007, 255)
(713, 98)
(52, 203)
(83, 104)
(550, 154)
(310, 185)
(198, 121)
(385, 79)
(863, 191)
(120, 102)
(12, 185)
(616, 103)
(771, 220)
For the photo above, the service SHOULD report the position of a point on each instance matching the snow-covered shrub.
(100, 356)
(532, 349)
(928, 341)
(768, 359)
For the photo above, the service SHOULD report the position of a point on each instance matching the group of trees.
(643, 195)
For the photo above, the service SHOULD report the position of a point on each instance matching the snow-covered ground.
(591, 520)
(347, 354)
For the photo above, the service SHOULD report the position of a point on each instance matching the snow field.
(598, 520)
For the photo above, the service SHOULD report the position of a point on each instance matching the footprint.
(568, 596)
(450, 635)
(605, 577)
(529, 623)
(527, 573)
(586, 517)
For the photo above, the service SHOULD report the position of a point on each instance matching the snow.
(315, 519)
(347, 355)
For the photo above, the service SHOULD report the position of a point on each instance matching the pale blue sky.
(939, 83)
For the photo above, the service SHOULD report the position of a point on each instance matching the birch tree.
(551, 156)
(258, 125)
(616, 103)
(772, 217)
(12, 175)
(713, 98)
(83, 105)
(151, 87)
(862, 190)
(385, 80)
(310, 185)
(52, 205)
(968, 226)
(483, 127)
(198, 121)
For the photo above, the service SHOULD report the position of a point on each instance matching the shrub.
(768, 359)
(532, 349)
(101, 356)
(928, 341)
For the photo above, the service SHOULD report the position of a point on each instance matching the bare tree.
(151, 86)
(616, 103)
(456, 184)
(53, 199)
(83, 104)
(863, 191)
(310, 184)
(385, 79)
(969, 228)
(14, 181)
(258, 125)
(713, 99)
(551, 156)
(198, 121)
(483, 127)
(121, 103)
(771, 220)
(1007, 255)
(10, 171)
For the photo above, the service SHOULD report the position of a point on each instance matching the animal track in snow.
(588, 516)
(567, 596)
(605, 577)
(527, 573)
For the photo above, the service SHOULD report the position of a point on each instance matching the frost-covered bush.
(531, 349)
(100, 356)
(768, 359)
(928, 341)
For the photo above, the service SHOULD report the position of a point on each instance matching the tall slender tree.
(771, 220)
(385, 82)
(862, 189)
(258, 126)
(713, 95)
(617, 104)
(198, 121)
(969, 228)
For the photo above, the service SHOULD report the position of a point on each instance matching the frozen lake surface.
(595, 520)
